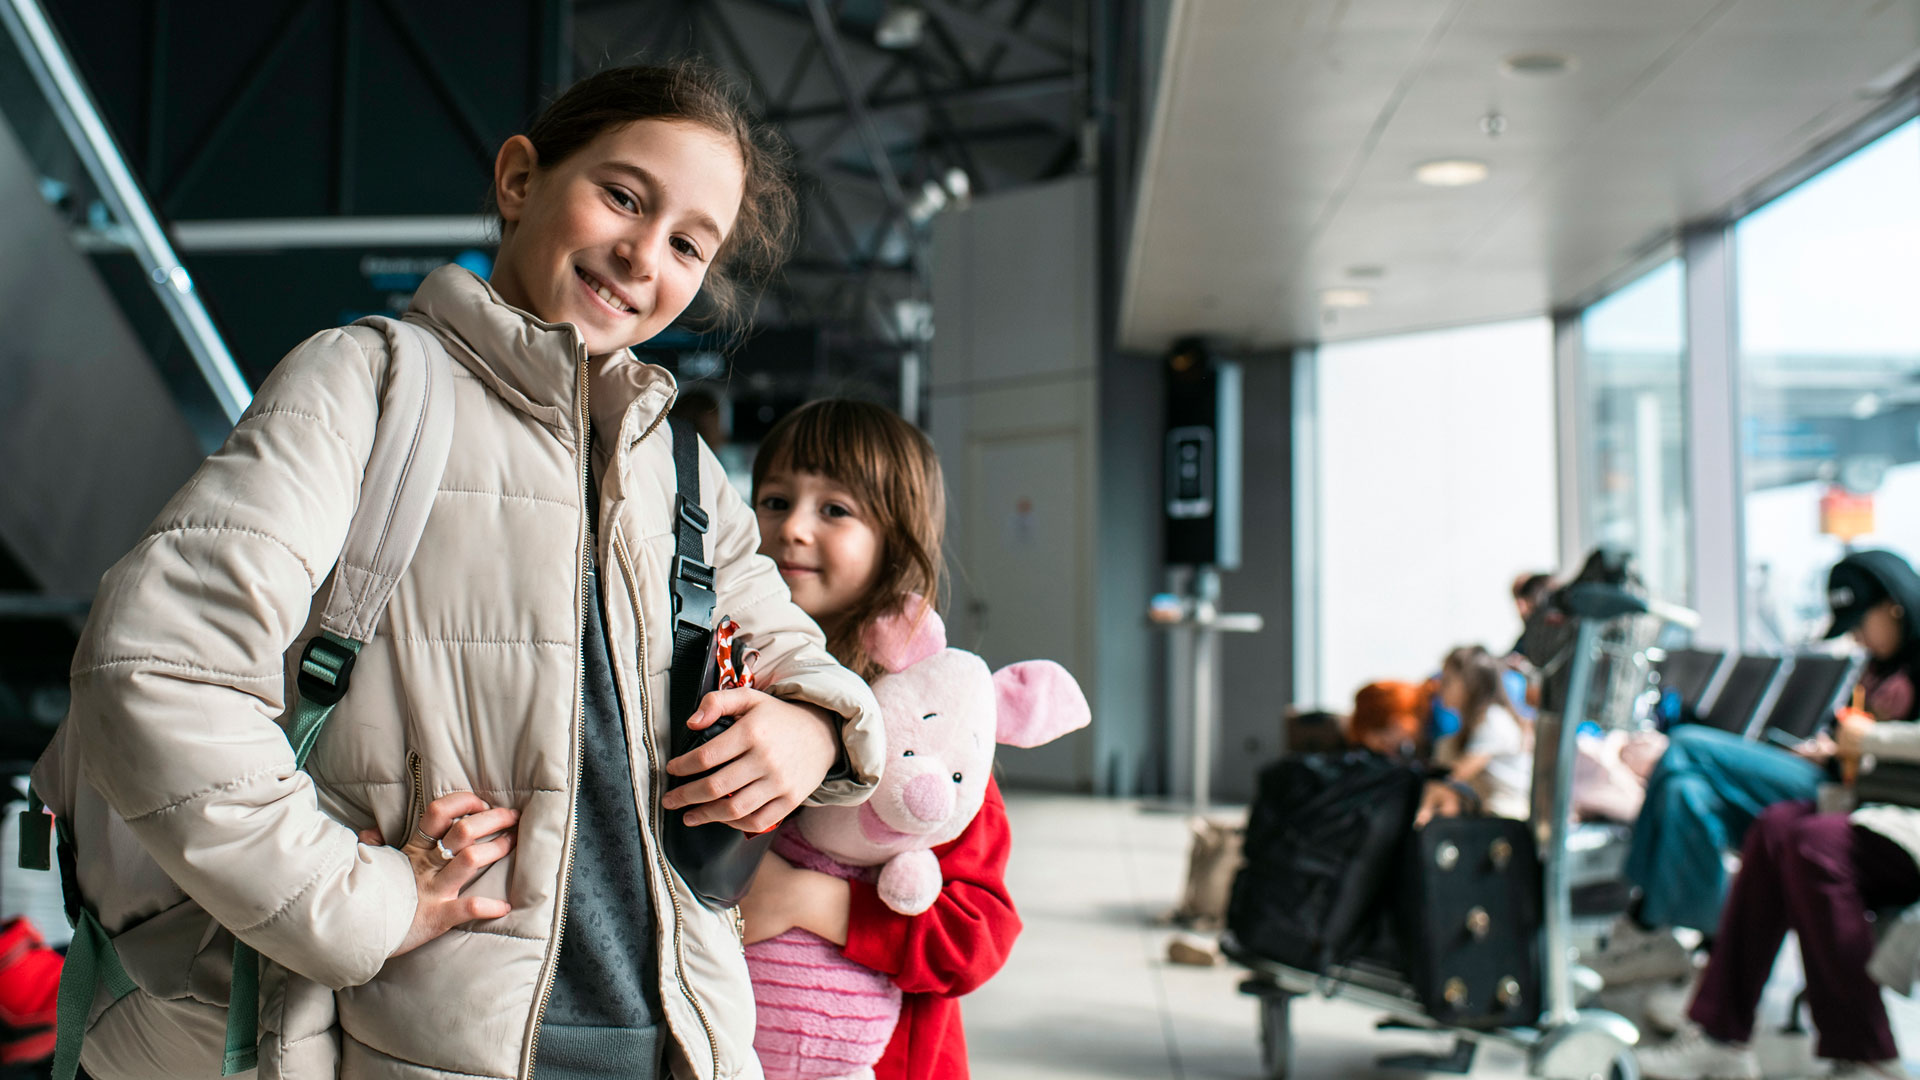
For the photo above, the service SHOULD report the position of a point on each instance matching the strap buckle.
(326, 667)
(693, 595)
(693, 514)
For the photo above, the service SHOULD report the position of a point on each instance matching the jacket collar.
(535, 365)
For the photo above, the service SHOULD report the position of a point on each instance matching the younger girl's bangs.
(830, 440)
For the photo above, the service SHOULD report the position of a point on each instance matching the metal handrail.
(46, 56)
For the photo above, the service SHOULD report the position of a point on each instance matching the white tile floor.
(1088, 994)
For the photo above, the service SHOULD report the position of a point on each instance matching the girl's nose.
(639, 252)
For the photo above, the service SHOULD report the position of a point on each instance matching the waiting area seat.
(1814, 687)
(1733, 709)
(1690, 673)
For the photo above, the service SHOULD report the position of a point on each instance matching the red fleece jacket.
(944, 952)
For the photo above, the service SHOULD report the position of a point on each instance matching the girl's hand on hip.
(772, 758)
(458, 837)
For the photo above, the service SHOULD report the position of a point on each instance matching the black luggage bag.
(1470, 911)
(1325, 837)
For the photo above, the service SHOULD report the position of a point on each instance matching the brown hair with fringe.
(1484, 678)
(890, 469)
(695, 92)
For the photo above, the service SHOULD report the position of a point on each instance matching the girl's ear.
(512, 174)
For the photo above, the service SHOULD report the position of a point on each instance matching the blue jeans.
(1706, 791)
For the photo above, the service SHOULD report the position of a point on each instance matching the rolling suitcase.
(1470, 910)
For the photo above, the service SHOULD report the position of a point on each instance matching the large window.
(1635, 482)
(1436, 486)
(1829, 327)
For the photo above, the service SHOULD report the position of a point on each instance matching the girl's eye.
(907, 754)
(835, 510)
(773, 503)
(622, 198)
(687, 247)
(956, 778)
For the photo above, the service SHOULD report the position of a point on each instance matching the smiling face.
(824, 541)
(617, 238)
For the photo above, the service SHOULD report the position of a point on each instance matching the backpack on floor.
(1324, 838)
(172, 956)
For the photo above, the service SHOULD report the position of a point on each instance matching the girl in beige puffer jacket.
(509, 714)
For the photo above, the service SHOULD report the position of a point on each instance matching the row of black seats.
(1777, 698)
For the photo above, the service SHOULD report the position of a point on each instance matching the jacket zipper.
(417, 796)
(659, 781)
(566, 859)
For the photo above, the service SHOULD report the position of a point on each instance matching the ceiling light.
(958, 184)
(1537, 64)
(1345, 297)
(902, 27)
(1451, 172)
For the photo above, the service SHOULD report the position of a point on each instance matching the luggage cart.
(1569, 1042)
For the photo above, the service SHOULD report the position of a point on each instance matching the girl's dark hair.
(694, 92)
(1485, 680)
(889, 467)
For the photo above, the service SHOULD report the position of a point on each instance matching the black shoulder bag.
(716, 860)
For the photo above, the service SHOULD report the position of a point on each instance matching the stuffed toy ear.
(900, 640)
(1038, 702)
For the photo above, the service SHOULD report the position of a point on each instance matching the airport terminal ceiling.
(1279, 201)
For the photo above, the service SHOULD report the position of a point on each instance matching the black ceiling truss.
(997, 89)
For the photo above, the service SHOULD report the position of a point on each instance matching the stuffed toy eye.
(956, 778)
(907, 754)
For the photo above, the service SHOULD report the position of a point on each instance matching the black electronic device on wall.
(1201, 503)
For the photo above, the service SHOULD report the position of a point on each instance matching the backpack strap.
(410, 445)
(692, 578)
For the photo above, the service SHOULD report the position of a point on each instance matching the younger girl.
(1493, 751)
(512, 698)
(852, 508)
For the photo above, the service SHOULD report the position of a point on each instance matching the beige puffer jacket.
(472, 684)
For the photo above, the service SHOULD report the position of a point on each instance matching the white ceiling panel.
(1286, 134)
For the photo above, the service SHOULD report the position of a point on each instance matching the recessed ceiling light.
(1537, 64)
(1345, 297)
(1451, 172)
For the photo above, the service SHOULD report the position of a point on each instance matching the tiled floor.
(1088, 994)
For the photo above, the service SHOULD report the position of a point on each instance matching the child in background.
(852, 508)
(1492, 753)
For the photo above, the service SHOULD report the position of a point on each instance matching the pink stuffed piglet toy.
(821, 1015)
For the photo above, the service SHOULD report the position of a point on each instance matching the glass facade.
(1634, 477)
(1828, 280)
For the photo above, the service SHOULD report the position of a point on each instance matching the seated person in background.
(1388, 719)
(1819, 875)
(1314, 731)
(1492, 753)
(1710, 786)
(1530, 590)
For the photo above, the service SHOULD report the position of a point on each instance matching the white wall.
(1437, 486)
(1014, 394)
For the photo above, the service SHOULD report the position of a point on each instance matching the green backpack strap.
(91, 963)
(36, 834)
(326, 667)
